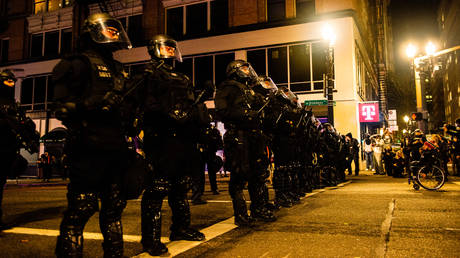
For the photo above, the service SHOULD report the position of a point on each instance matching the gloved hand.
(111, 99)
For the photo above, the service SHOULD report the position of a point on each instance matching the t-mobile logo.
(368, 112)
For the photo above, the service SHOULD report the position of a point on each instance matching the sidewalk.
(35, 182)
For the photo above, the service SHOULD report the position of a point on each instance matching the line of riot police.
(100, 105)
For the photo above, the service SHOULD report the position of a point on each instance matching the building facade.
(444, 91)
(280, 38)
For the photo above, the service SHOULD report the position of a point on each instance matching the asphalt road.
(369, 216)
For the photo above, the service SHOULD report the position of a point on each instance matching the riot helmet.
(105, 30)
(289, 95)
(241, 71)
(164, 47)
(8, 81)
(267, 84)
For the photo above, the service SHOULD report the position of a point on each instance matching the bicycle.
(428, 173)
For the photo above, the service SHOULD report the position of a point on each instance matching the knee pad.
(81, 207)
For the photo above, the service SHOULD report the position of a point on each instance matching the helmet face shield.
(268, 84)
(167, 49)
(7, 78)
(246, 71)
(107, 31)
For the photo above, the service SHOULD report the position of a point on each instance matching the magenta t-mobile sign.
(368, 112)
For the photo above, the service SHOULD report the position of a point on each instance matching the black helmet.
(7, 78)
(105, 30)
(289, 95)
(164, 47)
(267, 84)
(241, 71)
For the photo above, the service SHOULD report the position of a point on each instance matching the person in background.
(368, 153)
(354, 153)
(388, 156)
(398, 164)
(378, 149)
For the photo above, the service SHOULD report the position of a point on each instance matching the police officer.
(172, 120)
(88, 90)
(244, 145)
(9, 146)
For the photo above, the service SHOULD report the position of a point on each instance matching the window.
(41, 6)
(66, 41)
(319, 64)
(276, 10)
(219, 15)
(305, 8)
(4, 47)
(198, 18)
(257, 60)
(302, 70)
(134, 29)
(220, 66)
(36, 45)
(299, 67)
(36, 92)
(203, 70)
(51, 43)
(174, 23)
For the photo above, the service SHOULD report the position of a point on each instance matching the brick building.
(280, 38)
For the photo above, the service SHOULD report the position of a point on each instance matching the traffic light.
(417, 116)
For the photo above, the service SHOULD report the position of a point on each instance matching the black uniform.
(9, 146)
(210, 141)
(87, 87)
(171, 125)
(244, 146)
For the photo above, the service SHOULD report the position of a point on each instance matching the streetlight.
(329, 36)
(406, 118)
(430, 48)
(411, 50)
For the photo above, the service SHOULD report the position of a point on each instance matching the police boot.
(263, 214)
(151, 227)
(180, 228)
(281, 200)
(113, 239)
(70, 244)
(240, 212)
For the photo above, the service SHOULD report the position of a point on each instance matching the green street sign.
(317, 102)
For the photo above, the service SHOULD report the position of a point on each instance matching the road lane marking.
(457, 183)
(263, 255)
(385, 229)
(175, 247)
(86, 235)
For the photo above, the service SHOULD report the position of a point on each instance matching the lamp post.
(406, 120)
(329, 36)
(411, 52)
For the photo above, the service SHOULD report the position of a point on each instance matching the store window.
(220, 67)
(305, 65)
(257, 60)
(4, 48)
(203, 70)
(299, 67)
(36, 93)
(276, 10)
(305, 8)
(277, 65)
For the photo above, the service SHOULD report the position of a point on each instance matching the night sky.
(413, 21)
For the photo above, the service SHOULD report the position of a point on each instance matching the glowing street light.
(406, 118)
(328, 34)
(411, 50)
(430, 48)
